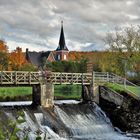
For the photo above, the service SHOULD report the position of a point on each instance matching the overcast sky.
(36, 23)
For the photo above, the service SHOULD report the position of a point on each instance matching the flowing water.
(66, 121)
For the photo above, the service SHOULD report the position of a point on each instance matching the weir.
(71, 121)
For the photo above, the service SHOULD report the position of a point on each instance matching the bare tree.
(126, 45)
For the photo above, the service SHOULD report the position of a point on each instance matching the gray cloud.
(37, 22)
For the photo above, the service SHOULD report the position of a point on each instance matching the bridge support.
(47, 95)
(96, 93)
(90, 93)
(43, 95)
(36, 89)
(87, 93)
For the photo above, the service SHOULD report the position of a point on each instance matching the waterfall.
(88, 122)
(66, 121)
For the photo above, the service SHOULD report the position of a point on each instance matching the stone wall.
(111, 95)
(125, 116)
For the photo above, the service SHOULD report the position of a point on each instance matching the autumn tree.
(3, 47)
(17, 59)
(4, 59)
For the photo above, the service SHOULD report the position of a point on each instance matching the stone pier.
(36, 90)
(43, 94)
(90, 93)
(96, 93)
(47, 95)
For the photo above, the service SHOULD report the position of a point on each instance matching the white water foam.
(88, 126)
(16, 103)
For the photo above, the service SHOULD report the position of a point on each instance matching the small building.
(60, 54)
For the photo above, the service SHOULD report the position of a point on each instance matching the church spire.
(62, 44)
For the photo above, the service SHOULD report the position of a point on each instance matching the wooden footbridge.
(42, 82)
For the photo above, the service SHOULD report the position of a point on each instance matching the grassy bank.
(120, 88)
(15, 93)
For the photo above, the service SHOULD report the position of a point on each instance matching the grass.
(15, 93)
(67, 92)
(120, 88)
(25, 93)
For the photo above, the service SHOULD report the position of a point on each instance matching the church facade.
(60, 54)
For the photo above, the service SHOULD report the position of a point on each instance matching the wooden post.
(107, 77)
(72, 78)
(61, 78)
(1, 77)
(82, 79)
(29, 78)
(15, 77)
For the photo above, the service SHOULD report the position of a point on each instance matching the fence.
(122, 83)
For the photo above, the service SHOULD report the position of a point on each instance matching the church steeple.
(62, 51)
(62, 44)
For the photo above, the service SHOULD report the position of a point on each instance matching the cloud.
(36, 23)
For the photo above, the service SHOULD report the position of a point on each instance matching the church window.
(65, 57)
(58, 56)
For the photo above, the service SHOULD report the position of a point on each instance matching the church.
(60, 54)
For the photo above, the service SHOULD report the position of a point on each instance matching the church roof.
(37, 58)
(45, 54)
(34, 57)
(62, 44)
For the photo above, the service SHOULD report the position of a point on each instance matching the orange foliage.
(91, 56)
(3, 47)
(17, 58)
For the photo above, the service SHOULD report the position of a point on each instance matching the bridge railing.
(101, 77)
(68, 78)
(123, 83)
(19, 77)
(25, 77)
